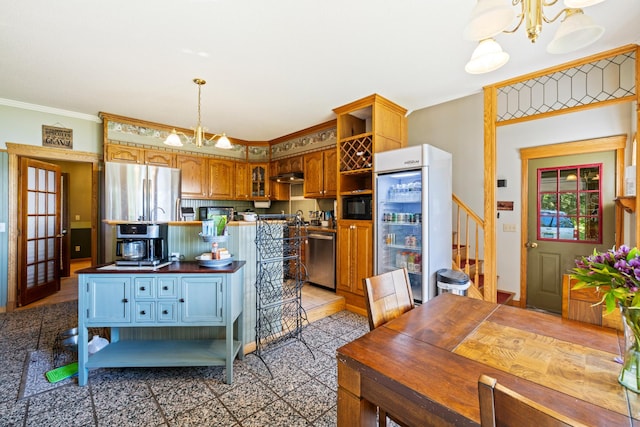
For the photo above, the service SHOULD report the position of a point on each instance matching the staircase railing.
(466, 252)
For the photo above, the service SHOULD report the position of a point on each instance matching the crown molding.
(49, 110)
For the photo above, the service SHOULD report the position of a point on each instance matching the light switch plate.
(3, 227)
(509, 228)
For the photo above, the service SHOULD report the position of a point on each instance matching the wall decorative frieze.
(143, 135)
(258, 152)
(311, 142)
(150, 137)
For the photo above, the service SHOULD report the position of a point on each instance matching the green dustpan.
(62, 372)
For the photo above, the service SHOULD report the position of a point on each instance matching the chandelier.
(198, 139)
(492, 17)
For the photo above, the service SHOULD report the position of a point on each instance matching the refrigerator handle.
(177, 213)
(145, 200)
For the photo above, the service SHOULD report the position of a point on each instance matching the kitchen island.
(181, 314)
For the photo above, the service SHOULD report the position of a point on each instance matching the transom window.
(569, 203)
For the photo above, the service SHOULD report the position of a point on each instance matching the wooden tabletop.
(424, 366)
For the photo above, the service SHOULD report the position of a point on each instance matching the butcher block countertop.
(182, 267)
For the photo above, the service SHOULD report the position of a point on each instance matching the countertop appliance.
(141, 193)
(412, 226)
(321, 258)
(209, 212)
(141, 244)
(187, 213)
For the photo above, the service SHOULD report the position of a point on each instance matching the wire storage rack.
(279, 279)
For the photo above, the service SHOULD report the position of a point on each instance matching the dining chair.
(388, 295)
(502, 407)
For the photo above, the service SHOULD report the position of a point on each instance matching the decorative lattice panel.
(603, 80)
(355, 154)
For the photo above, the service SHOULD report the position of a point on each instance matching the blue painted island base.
(167, 317)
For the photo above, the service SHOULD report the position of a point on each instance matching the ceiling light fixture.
(199, 139)
(492, 17)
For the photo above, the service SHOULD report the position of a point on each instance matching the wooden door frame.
(65, 250)
(491, 122)
(16, 151)
(615, 143)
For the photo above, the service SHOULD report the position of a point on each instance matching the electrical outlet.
(3, 227)
(77, 217)
(77, 248)
(511, 228)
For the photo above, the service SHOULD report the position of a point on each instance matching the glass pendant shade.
(576, 31)
(223, 142)
(199, 139)
(487, 57)
(173, 139)
(488, 18)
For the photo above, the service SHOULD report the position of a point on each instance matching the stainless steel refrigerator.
(134, 193)
(413, 215)
(141, 193)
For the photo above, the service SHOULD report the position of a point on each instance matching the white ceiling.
(272, 67)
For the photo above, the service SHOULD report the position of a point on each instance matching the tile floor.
(302, 391)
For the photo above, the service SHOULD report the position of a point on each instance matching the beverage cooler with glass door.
(413, 215)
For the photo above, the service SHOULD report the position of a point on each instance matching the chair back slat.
(502, 407)
(388, 295)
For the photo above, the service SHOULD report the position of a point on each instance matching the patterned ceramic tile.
(302, 391)
(247, 399)
(312, 399)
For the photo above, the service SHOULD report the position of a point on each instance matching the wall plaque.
(505, 206)
(58, 137)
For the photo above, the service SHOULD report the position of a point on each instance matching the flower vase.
(630, 373)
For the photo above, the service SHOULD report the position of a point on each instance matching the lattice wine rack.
(280, 276)
(355, 153)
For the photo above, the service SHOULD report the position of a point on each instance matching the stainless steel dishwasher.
(321, 258)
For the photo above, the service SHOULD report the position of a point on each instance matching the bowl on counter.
(248, 216)
(205, 261)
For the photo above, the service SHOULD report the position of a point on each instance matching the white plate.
(213, 263)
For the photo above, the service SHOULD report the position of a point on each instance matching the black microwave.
(357, 207)
(208, 212)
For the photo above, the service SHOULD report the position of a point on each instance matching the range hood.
(289, 178)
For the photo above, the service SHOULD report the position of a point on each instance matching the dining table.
(423, 367)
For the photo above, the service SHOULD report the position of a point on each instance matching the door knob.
(531, 245)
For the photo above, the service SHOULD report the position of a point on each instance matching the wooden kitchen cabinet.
(221, 179)
(242, 181)
(330, 175)
(194, 176)
(159, 158)
(259, 175)
(320, 174)
(290, 164)
(124, 154)
(278, 191)
(296, 164)
(354, 260)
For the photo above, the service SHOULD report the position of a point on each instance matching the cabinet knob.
(165, 288)
(181, 299)
(125, 300)
(165, 312)
(142, 288)
(143, 312)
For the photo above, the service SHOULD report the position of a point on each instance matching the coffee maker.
(141, 244)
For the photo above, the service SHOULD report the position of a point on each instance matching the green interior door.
(571, 212)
